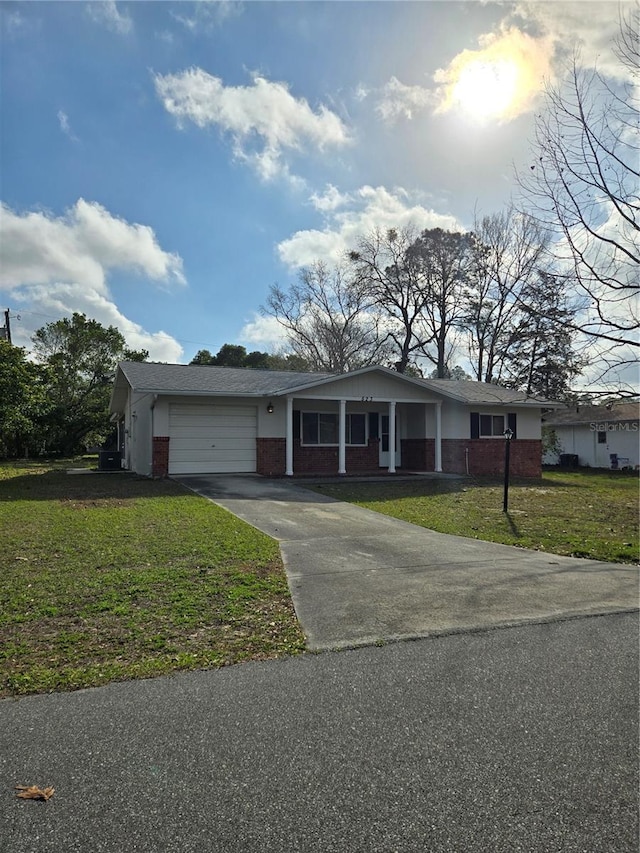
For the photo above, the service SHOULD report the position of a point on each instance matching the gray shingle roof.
(468, 391)
(206, 379)
(594, 414)
(154, 378)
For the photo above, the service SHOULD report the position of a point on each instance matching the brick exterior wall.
(486, 456)
(363, 458)
(160, 456)
(271, 458)
(418, 454)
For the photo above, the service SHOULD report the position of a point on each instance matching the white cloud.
(266, 333)
(361, 92)
(361, 211)
(14, 22)
(207, 15)
(65, 127)
(397, 100)
(505, 76)
(264, 120)
(106, 12)
(591, 28)
(83, 245)
(330, 199)
(46, 302)
(57, 265)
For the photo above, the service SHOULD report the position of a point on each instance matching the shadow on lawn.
(513, 527)
(103, 486)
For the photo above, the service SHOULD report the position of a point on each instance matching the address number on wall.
(367, 399)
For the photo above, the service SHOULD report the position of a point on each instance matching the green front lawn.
(582, 514)
(110, 576)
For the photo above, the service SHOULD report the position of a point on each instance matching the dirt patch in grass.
(107, 577)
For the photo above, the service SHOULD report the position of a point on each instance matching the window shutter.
(296, 425)
(475, 424)
(511, 423)
(373, 425)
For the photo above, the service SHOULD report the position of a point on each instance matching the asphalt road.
(517, 739)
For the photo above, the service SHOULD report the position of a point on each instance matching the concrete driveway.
(358, 577)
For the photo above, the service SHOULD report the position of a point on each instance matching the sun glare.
(486, 88)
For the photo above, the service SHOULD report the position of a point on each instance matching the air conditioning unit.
(109, 460)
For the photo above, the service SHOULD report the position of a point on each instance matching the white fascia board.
(164, 392)
(357, 399)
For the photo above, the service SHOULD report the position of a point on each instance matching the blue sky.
(164, 163)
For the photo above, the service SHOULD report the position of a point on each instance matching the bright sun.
(486, 88)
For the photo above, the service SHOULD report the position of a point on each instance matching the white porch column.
(342, 437)
(392, 436)
(289, 438)
(438, 453)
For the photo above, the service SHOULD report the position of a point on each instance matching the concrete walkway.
(358, 577)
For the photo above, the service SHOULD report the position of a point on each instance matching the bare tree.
(446, 260)
(331, 322)
(396, 284)
(416, 280)
(508, 250)
(584, 182)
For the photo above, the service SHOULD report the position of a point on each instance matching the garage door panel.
(209, 436)
(209, 441)
(212, 439)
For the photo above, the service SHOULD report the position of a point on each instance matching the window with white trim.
(321, 428)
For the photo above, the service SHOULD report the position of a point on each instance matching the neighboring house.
(600, 436)
(184, 419)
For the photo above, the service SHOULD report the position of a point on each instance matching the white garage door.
(212, 439)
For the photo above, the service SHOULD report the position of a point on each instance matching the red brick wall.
(271, 456)
(363, 458)
(418, 454)
(160, 456)
(486, 456)
(312, 460)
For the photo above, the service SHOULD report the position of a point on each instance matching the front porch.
(354, 436)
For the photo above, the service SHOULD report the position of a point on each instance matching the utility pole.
(6, 332)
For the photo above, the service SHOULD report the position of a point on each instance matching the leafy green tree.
(542, 359)
(203, 356)
(24, 403)
(79, 357)
(233, 355)
(230, 355)
(288, 361)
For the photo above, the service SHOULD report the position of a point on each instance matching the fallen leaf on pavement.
(32, 792)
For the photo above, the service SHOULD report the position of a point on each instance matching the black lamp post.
(508, 435)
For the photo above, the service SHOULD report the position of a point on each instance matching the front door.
(384, 442)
